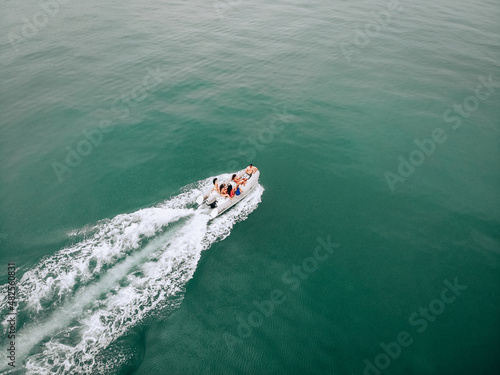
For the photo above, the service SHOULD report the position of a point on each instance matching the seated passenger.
(230, 191)
(237, 181)
(223, 191)
(216, 185)
(249, 171)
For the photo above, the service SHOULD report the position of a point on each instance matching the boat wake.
(78, 301)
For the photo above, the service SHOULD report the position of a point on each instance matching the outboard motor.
(212, 202)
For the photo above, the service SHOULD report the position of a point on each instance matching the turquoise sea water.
(371, 245)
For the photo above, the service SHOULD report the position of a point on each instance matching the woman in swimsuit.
(223, 191)
(237, 181)
(230, 191)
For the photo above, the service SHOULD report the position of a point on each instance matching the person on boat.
(249, 171)
(223, 190)
(237, 181)
(216, 185)
(230, 191)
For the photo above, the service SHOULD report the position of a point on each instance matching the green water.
(323, 97)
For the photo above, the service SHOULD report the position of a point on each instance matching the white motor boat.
(211, 198)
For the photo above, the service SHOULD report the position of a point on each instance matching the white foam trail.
(56, 276)
(85, 297)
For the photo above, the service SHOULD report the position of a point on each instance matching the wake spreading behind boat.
(213, 199)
